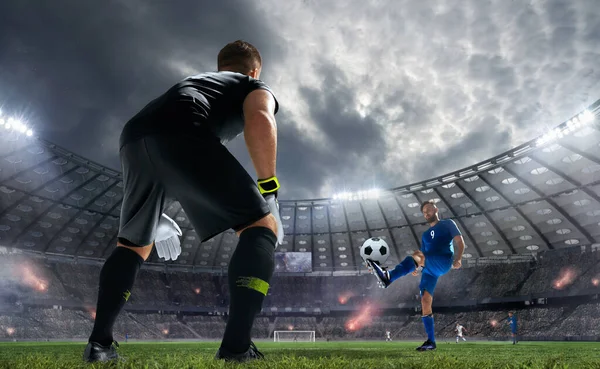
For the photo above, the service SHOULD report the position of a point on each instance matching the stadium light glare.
(586, 117)
(559, 133)
(357, 196)
(550, 136)
(556, 133)
(19, 126)
(569, 127)
(11, 123)
(575, 123)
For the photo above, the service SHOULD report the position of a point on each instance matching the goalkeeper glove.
(167, 243)
(268, 188)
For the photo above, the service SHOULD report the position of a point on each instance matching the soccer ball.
(375, 249)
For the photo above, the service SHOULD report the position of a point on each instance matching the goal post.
(294, 336)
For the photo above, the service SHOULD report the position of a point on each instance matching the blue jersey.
(437, 240)
(512, 321)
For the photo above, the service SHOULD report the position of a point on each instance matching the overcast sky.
(372, 93)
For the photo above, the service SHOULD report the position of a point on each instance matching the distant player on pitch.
(512, 321)
(442, 248)
(388, 336)
(459, 332)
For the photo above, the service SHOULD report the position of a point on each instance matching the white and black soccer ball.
(375, 249)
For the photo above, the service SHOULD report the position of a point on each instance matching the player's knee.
(426, 299)
(426, 302)
(267, 222)
(142, 251)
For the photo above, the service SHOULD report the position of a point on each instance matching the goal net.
(294, 336)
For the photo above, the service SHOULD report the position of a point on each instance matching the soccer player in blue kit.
(442, 247)
(512, 321)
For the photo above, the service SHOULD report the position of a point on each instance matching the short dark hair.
(426, 203)
(239, 56)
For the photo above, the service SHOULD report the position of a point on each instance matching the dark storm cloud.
(348, 142)
(302, 165)
(472, 148)
(372, 93)
(332, 107)
(83, 68)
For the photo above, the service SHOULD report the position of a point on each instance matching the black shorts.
(214, 190)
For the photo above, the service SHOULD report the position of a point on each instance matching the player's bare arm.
(459, 248)
(260, 132)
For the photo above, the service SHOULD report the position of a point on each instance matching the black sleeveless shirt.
(207, 103)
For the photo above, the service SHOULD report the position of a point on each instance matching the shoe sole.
(376, 273)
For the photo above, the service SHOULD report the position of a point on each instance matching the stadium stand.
(542, 195)
(187, 306)
(530, 218)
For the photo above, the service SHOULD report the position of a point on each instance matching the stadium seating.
(161, 306)
(535, 323)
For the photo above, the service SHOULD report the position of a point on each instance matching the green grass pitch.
(339, 355)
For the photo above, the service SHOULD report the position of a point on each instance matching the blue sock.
(406, 266)
(428, 323)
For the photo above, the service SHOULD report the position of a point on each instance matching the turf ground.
(342, 355)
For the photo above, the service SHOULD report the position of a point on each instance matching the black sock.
(250, 270)
(116, 280)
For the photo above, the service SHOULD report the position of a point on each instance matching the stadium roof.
(542, 195)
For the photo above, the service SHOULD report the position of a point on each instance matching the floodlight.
(19, 126)
(586, 117)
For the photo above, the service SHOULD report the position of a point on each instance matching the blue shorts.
(514, 330)
(435, 267)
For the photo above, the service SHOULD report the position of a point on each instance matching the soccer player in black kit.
(173, 149)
